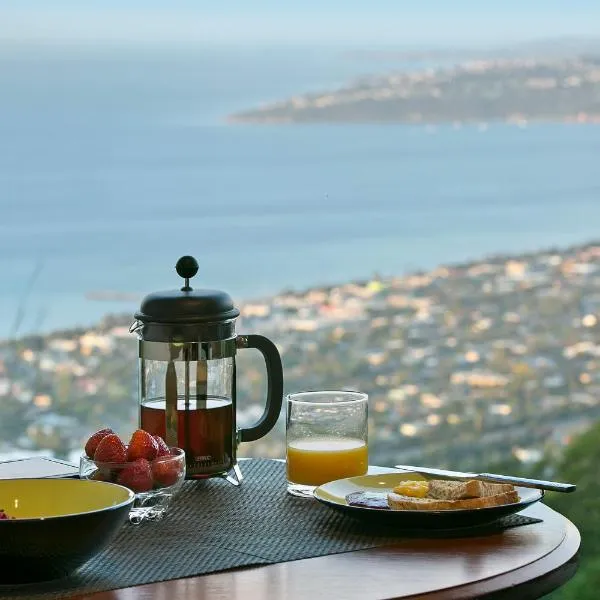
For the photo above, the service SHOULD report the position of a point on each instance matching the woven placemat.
(214, 526)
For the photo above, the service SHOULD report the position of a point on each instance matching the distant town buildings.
(464, 365)
(512, 90)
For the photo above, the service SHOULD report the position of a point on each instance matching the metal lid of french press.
(186, 314)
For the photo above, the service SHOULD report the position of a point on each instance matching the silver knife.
(552, 486)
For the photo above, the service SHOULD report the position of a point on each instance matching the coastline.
(482, 90)
(124, 318)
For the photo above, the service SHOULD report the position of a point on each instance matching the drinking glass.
(326, 438)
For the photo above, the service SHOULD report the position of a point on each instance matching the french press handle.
(274, 386)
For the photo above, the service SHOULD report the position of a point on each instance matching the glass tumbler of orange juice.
(326, 438)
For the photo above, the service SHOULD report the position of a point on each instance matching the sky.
(385, 22)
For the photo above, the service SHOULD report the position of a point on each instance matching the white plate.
(334, 493)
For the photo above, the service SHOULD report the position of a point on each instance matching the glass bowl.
(154, 483)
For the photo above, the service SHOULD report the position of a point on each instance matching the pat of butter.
(414, 489)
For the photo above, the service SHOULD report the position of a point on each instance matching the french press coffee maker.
(187, 375)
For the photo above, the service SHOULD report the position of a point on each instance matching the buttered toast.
(458, 490)
(441, 494)
(400, 502)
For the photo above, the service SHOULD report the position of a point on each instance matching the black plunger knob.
(186, 267)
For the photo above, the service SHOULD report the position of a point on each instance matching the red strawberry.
(137, 476)
(166, 471)
(163, 449)
(92, 443)
(142, 445)
(111, 449)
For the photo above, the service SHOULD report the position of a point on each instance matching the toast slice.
(399, 502)
(458, 490)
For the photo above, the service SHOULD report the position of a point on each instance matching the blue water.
(114, 163)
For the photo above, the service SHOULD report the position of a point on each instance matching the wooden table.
(520, 563)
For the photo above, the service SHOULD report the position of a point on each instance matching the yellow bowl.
(58, 525)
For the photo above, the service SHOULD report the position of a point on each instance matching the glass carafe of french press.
(187, 373)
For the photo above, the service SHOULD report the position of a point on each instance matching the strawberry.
(137, 476)
(142, 445)
(163, 449)
(92, 443)
(111, 450)
(166, 471)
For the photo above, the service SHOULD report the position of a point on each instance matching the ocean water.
(114, 162)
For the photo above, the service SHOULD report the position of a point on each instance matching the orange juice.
(317, 461)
